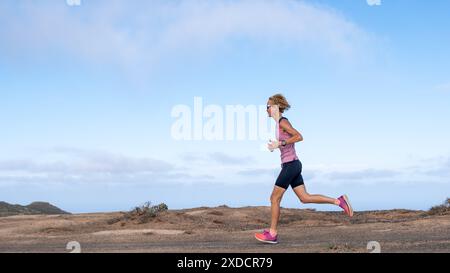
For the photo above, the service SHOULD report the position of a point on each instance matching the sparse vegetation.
(141, 214)
(146, 212)
(443, 209)
(340, 247)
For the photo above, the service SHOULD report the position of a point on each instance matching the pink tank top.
(288, 153)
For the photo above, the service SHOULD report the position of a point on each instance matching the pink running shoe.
(344, 203)
(266, 237)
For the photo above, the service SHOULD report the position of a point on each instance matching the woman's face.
(271, 108)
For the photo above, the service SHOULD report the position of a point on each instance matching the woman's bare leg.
(307, 198)
(275, 200)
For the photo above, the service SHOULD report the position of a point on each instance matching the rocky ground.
(224, 229)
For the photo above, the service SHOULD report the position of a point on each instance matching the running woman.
(291, 172)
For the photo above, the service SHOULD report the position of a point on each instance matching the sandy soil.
(224, 229)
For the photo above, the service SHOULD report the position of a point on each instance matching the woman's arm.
(296, 136)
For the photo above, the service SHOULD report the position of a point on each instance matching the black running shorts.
(290, 175)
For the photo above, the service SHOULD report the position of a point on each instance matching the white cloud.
(78, 165)
(255, 172)
(364, 174)
(442, 169)
(217, 157)
(443, 87)
(223, 158)
(210, 22)
(69, 166)
(143, 32)
(89, 163)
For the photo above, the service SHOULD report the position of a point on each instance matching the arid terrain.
(224, 229)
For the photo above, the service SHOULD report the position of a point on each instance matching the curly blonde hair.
(281, 101)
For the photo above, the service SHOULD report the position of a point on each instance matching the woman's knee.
(275, 199)
(305, 198)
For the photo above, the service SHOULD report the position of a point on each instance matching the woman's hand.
(273, 144)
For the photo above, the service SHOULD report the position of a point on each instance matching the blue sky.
(86, 94)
